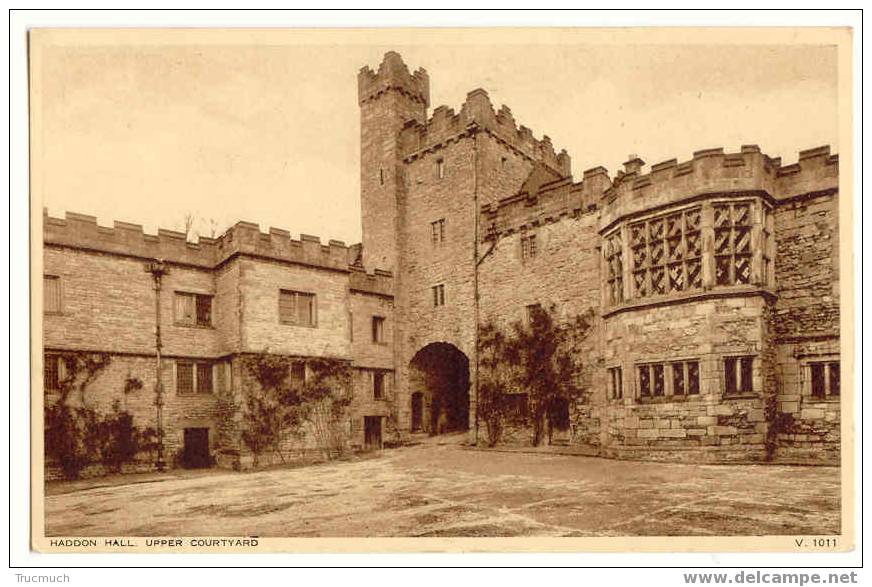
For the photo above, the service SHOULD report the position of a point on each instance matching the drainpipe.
(473, 129)
(158, 270)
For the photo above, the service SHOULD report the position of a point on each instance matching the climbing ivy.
(279, 406)
(538, 357)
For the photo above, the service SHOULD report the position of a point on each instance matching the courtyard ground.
(447, 490)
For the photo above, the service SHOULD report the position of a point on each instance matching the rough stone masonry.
(713, 285)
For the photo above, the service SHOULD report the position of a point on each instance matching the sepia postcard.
(359, 290)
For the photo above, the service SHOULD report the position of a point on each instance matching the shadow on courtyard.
(442, 489)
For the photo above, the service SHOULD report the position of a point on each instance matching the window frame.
(187, 364)
(378, 329)
(653, 276)
(57, 360)
(613, 254)
(438, 292)
(667, 369)
(437, 232)
(313, 308)
(744, 386)
(529, 249)
(196, 298)
(197, 366)
(60, 295)
(615, 382)
(830, 366)
(731, 253)
(440, 168)
(379, 385)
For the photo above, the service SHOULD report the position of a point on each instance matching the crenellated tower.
(388, 99)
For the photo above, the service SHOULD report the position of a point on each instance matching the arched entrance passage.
(439, 382)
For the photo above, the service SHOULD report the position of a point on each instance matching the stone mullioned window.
(663, 254)
(675, 378)
(193, 377)
(825, 380)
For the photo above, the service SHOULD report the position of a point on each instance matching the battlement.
(378, 282)
(712, 171)
(477, 113)
(81, 231)
(393, 74)
(551, 202)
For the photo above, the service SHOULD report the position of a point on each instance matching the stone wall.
(705, 331)
(260, 283)
(563, 275)
(426, 264)
(108, 305)
(806, 323)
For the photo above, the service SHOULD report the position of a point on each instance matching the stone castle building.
(713, 284)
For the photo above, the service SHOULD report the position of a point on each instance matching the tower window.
(378, 329)
(438, 295)
(440, 168)
(381, 176)
(528, 246)
(437, 231)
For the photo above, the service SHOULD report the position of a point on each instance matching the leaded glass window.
(732, 224)
(667, 253)
(614, 253)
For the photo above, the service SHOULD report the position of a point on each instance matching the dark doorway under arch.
(439, 382)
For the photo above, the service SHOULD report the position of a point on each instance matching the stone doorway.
(195, 454)
(372, 432)
(417, 411)
(439, 375)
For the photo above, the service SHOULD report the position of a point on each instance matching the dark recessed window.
(738, 375)
(53, 372)
(645, 381)
(378, 384)
(378, 329)
(438, 295)
(825, 379)
(616, 384)
(437, 231)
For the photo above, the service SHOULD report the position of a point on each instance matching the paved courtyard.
(447, 490)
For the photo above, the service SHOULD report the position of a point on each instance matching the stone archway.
(439, 372)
